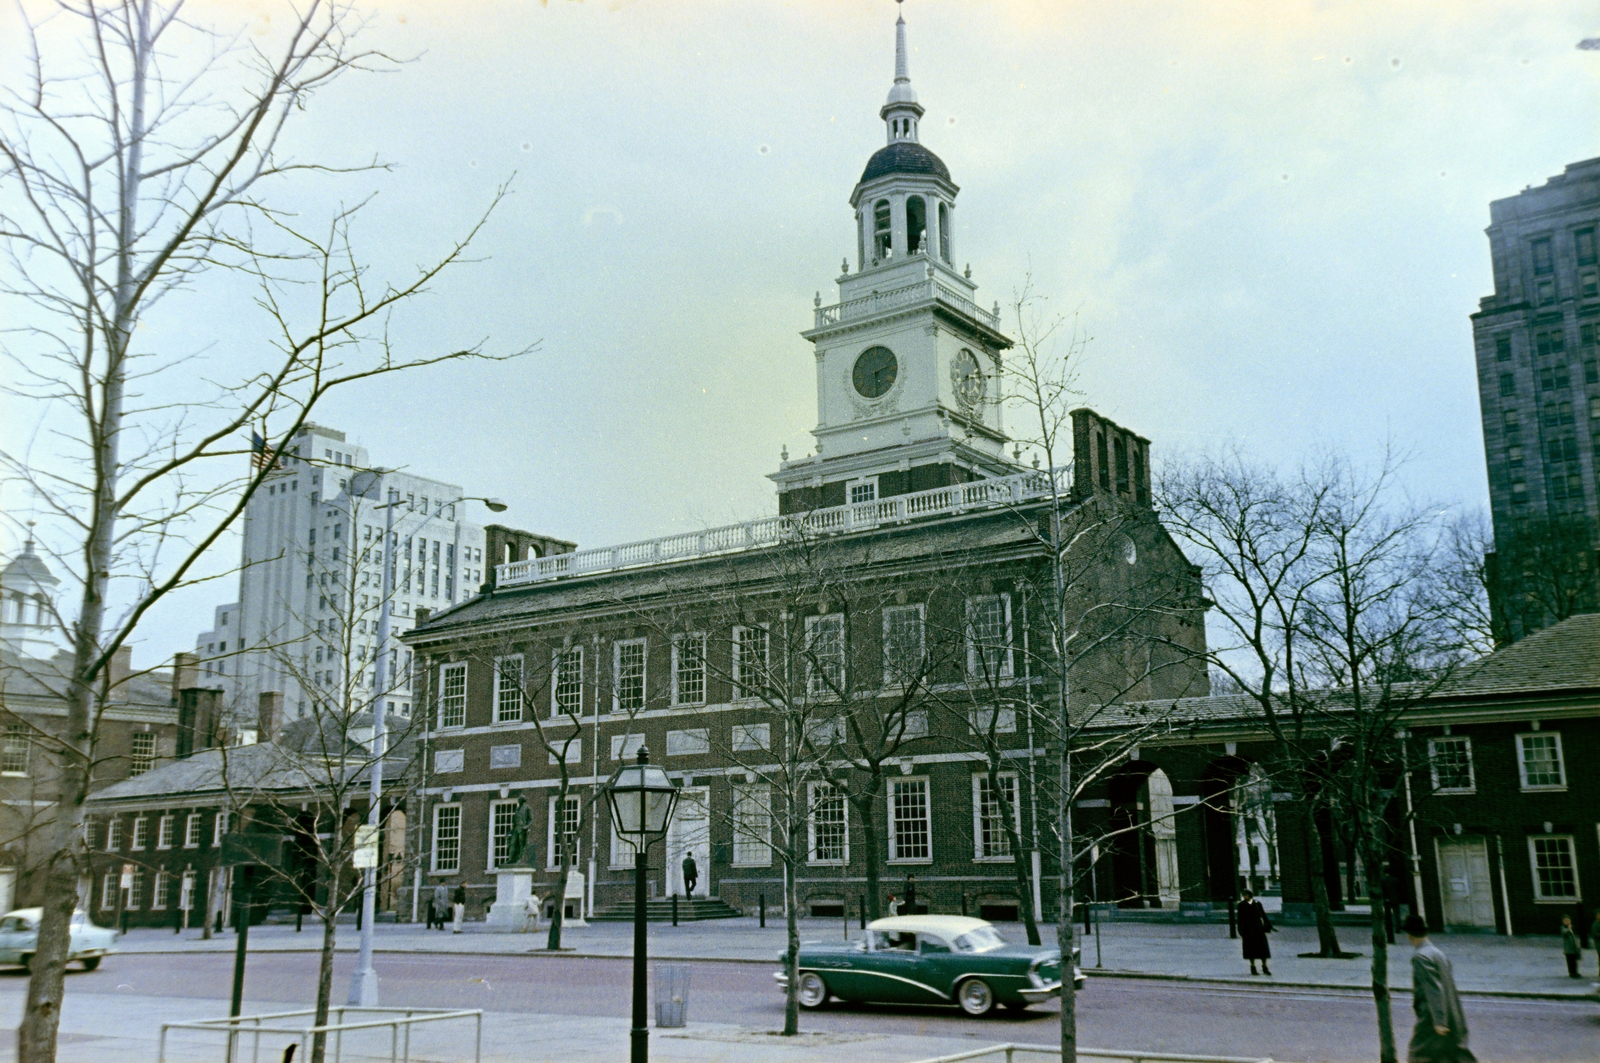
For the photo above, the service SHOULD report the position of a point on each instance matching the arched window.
(916, 224)
(944, 232)
(882, 247)
(533, 552)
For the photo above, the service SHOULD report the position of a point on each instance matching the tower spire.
(901, 110)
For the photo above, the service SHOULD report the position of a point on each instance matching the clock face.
(967, 377)
(874, 373)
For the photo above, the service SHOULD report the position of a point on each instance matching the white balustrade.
(927, 290)
(856, 516)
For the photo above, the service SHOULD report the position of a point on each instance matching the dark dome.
(904, 156)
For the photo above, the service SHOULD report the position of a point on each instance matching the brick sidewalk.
(1484, 963)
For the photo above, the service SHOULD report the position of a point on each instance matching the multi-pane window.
(508, 689)
(1450, 759)
(219, 827)
(825, 655)
(501, 817)
(164, 828)
(689, 669)
(447, 838)
(1539, 759)
(566, 817)
(864, 491)
(1502, 348)
(453, 695)
(163, 884)
(1508, 384)
(135, 890)
(191, 831)
(990, 807)
(566, 682)
(910, 832)
(622, 850)
(1543, 263)
(143, 755)
(14, 749)
(1555, 867)
(989, 636)
(750, 646)
(108, 891)
(628, 671)
(113, 835)
(827, 825)
(141, 832)
(903, 644)
(752, 825)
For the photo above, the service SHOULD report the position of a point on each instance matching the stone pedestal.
(574, 900)
(515, 909)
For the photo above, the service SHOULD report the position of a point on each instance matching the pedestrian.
(1570, 947)
(441, 904)
(691, 873)
(909, 905)
(894, 909)
(1254, 926)
(1441, 1032)
(458, 904)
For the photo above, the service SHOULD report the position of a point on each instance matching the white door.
(690, 832)
(1464, 882)
(1163, 827)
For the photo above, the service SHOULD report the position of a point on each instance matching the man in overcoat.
(1441, 1032)
(1254, 926)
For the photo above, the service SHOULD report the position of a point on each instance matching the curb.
(1364, 990)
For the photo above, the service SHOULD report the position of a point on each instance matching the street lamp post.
(642, 800)
(364, 980)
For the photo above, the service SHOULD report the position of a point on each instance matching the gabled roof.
(1561, 658)
(36, 677)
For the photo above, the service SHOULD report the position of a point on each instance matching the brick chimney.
(269, 716)
(118, 669)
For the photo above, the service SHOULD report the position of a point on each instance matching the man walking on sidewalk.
(1441, 1032)
(1254, 926)
(458, 904)
(1569, 946)
(441, 905)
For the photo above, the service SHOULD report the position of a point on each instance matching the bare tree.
(128, 180)
(1539, 571)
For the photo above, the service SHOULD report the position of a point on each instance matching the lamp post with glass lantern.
(642, 800)
(364, 979)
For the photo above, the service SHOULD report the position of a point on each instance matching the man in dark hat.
(1441, 1033)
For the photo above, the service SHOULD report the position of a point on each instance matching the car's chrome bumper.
(781, 978)
(1039, 994)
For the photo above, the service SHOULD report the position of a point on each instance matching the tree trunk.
(1327, 939)
(791, 957)
(1066, 931)
(330, 916)
(1019, 865)
(1372, 855)
(553, 941)
(869, 844)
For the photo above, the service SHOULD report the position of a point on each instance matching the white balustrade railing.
(926, 290)
(767, 531)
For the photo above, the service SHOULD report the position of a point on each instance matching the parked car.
(19, 937)
(930, 959)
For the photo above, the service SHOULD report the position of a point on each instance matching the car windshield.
(980, 939)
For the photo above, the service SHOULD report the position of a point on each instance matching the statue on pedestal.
(517, 838)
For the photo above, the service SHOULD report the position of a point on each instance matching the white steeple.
(901, 111)
(28, 625)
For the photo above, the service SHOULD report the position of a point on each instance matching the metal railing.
(1011, 1051)
(859, 516)
(928, 290)
(399, 1024)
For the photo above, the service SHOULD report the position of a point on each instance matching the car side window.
(10, 926)
(904, 942)
(929, 945)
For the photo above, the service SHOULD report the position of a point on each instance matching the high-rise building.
(1539, 388)
(311, 580)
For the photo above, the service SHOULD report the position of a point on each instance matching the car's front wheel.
(91, 962)
(975, 997)
(813, 991)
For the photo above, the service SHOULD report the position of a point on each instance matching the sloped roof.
(904, 157)
(1563, 657)
(244, 769)
(47, 678)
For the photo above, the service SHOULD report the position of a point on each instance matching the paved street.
(735, 998)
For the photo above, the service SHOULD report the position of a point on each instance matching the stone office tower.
(1539, 387)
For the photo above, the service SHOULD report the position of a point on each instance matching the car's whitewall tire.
(975, 997)
(812, 991)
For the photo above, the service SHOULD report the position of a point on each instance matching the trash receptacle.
(672, 994)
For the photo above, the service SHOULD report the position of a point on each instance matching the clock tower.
(908, 364)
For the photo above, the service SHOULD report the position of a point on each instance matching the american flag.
(260, 457)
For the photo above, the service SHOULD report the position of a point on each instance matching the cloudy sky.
(1268, 215)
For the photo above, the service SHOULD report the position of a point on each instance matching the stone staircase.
(659, 910)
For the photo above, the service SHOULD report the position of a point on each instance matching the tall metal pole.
(640, 1037)
(364, 980)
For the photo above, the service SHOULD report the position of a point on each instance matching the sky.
(1267, 216)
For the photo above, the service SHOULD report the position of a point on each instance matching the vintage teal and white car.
(929, 959)
(19, 937)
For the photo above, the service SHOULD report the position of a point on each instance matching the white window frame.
(1008, 666)
(574, 810)
(743, 636)
(833, 793)
(622, 850)
(164, 829)
(1522, 762)
(893, 675)
(617, 677)
(159, 891)
(139, 761)
(505, 694)
(18, 739)
(219, 827)
(563, 686)
(891, 833)
(140, 836)
(434, 864)
(108, 890)
(1433, 765)
(816, 663)
(862, 482)
(500, 840)
(979, 856)
(752, 825)
(1539, 896)
(448, 672)
(678, 672)
(191, 831)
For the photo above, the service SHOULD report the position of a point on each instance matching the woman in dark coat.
(1254, 926)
